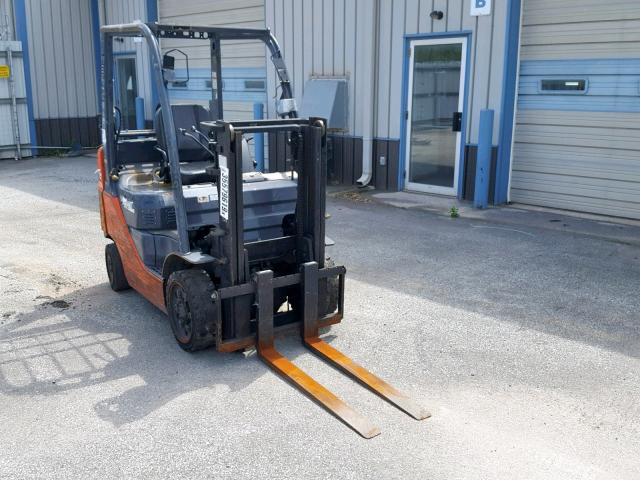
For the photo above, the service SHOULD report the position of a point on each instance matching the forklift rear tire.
(115, 270)
(192, 313)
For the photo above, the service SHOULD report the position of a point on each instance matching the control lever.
(202, 135)
(184, 132)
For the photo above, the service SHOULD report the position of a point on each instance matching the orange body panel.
(101, 179)
(114, 225)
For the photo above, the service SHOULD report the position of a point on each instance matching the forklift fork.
(274, 359)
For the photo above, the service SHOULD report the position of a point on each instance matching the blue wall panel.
(613, 85)
(20, 13)
(234, 89)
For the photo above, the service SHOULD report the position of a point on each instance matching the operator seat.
(193, 158)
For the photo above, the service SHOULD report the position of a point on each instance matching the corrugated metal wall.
(62, 65)
(335, 38)
(590, 29)
(579, 150)
(7, 23)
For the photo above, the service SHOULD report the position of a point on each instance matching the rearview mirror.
(168, 62)
(168, 68)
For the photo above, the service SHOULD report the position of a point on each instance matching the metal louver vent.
(149, 218)
(171, 217)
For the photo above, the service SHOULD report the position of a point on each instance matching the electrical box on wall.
(326, 98)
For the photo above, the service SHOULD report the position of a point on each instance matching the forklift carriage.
(232, 255)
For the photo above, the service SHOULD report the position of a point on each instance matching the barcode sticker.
(224, 192)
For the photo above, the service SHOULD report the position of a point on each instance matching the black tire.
(192, 313)
(328, 293)
(115, 270)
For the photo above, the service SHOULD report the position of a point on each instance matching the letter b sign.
(480, 7)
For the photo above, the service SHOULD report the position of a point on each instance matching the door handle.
(456, 122)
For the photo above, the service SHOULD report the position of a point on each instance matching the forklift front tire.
(115, 270)
(191, 311)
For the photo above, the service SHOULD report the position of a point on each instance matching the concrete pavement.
(524, 343)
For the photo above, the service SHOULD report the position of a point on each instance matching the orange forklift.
(234, 256)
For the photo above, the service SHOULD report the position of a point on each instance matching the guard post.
(483, 159)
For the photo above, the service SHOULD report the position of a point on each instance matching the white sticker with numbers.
(224, 192)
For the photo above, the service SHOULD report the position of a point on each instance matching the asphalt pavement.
(523, 342)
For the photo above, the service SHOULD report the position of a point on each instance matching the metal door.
(435, 102)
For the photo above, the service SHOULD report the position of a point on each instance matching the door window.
(434, 123)
(126, 91)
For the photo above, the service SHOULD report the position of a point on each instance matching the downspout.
(102, 12)
(369, 88)
(15, 120)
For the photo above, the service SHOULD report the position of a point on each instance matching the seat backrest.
(184, 116)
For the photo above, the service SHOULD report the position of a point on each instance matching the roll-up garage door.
(577, 134)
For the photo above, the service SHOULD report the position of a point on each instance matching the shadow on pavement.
(570, 286)
(95, 337)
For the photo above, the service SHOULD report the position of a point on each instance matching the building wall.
(62, 66)
(486, 59)
(7, 25)
(341, 37)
